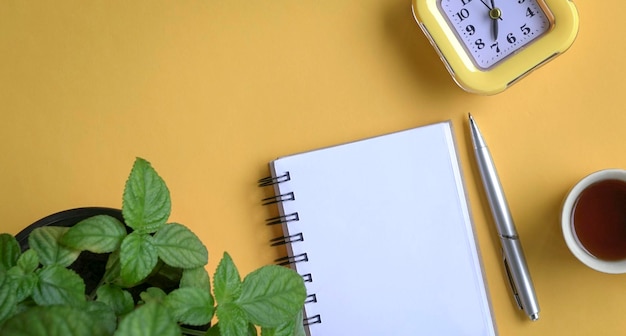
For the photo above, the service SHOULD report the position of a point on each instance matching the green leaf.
(148, 320)
(294, 327)
(196, 277)
(120, 301)
(179, 247)
(146, 205)
(226, 281)
(54, 321)
(21, 282)
(113, 269)
(233, 320)
(214, 330)
(58, 285)
(97, 234)
(28, 261)
(8, 299)
(45, 241)
(272, 295)
(252, 330)
(190, 305)
(103, 315)
(9, 251)
(153, 294)
(138, 257)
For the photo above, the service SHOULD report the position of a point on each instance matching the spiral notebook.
(380, 230)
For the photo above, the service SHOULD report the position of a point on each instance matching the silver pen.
(514, 261)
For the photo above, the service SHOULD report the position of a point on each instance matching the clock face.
(491, 30)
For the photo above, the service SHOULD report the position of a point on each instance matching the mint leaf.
(153, 294)
(120, 301)
(54, 321)
(233, 321)
(138, 257)
(45, 241)
(8, 299)
(147, 320)
(28, 261)
(294, 327)
(9, 251)
(58, 285)
(113, 269)
(214, 330)
(252, 330)
(226, 281)
(272, 295)
(196, 277)
(102, 315)
(97, 234)
(190, 305)
(179, 247)
(146, 203)
(21, 282)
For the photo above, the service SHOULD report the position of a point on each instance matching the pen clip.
(512, 282)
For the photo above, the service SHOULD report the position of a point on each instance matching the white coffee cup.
(570, 204)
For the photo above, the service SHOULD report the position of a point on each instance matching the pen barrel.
(495, 194)
(519, 274)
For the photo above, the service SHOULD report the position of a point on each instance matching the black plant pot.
(90, 266)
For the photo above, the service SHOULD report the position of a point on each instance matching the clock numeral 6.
(511, 38)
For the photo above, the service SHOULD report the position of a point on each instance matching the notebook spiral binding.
(291, 239)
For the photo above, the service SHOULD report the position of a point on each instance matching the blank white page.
(388, 237)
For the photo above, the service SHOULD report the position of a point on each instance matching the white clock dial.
(491, 30)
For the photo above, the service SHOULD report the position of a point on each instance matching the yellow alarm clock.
(488, 45)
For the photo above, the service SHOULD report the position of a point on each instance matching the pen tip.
(471, 121)
(534, 317)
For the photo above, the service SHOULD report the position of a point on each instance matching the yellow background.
(209, 91)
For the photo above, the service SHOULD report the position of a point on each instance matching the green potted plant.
(154, 279)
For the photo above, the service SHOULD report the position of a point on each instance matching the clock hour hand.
(495, 14)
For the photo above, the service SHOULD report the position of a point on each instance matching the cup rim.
(613, 267)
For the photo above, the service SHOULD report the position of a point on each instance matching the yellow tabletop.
(210, 91)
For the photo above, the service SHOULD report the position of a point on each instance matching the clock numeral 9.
(470, 30)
